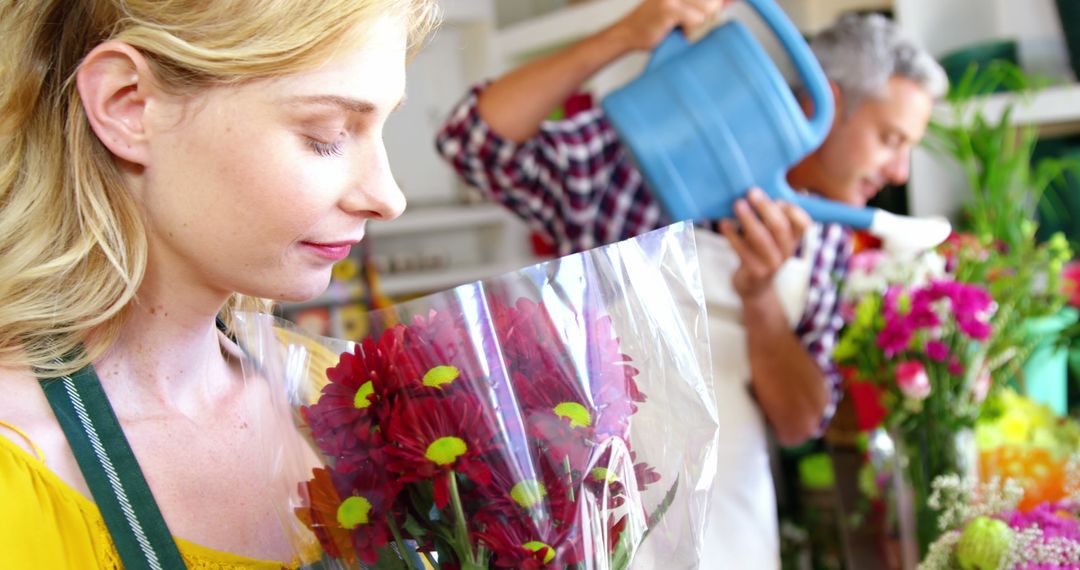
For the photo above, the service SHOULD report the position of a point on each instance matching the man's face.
(871, 146)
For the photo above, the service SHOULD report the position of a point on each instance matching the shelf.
(560, 27)
(440, 218)
(1056, 108)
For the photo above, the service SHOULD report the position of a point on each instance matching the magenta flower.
(912, 379)
(895, 336)
(937, 351)
(975, 328)
(956, 368)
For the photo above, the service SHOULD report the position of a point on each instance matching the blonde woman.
(160, 164)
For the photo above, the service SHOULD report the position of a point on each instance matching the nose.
(374, 193)
(898, 169)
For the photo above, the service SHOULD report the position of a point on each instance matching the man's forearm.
(788, 383)
(515, 104)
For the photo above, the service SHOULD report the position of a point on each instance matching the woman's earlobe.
(114, 82)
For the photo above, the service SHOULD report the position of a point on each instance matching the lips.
(870, 188)
(331, 251)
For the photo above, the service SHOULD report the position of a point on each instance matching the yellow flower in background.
(1025, 441)
(345, 270)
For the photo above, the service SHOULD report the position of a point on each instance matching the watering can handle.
(814, 80)
(669, 47)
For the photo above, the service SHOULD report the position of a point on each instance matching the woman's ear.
(114, 83)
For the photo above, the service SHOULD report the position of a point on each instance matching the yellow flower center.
(353, 512)
(575, 412)
(536, 546)
(440, 375)
(604, 475)
(445, 450)
(363, 396)
(528, 493)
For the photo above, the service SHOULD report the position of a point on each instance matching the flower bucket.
(1045, 373)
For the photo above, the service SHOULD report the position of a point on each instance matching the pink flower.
(937, 350)
(866, 261)
(912, 379)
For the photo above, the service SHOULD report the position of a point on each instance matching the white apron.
(741, 525)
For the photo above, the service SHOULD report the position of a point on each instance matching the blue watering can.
(708, 120)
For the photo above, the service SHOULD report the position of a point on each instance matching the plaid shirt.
(575, 183)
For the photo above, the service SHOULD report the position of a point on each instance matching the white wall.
(945, 25)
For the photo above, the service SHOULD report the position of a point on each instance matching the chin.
(293, 290)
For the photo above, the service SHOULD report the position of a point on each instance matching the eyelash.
(326, 149)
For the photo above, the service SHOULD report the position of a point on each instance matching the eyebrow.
(359, 106)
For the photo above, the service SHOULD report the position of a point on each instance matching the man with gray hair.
(574, 183)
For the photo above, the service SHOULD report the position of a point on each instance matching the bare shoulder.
(24, 406)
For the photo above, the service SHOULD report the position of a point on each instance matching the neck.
(168, 356)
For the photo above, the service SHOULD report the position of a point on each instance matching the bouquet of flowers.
(525, 421)
(923, 341)
(983, 529)
(919, 335)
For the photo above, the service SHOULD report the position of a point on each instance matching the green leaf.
(414, 528)
(661, 509)
(389, 560)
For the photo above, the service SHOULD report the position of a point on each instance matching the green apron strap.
(111, 471)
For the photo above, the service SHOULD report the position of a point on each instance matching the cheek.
(277, 192)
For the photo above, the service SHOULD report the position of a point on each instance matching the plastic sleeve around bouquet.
(559, 416)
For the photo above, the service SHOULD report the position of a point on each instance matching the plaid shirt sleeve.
(829, 248)
(573, 182)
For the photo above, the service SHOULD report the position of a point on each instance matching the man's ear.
(807, 103)
(114, 83)
(838, 101)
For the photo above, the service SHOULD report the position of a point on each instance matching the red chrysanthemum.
(365, 510)
(344, 414)
(525, 543)
(566, 445)
(431, 437)
(592, 384)
(615, 478)
(529, 489)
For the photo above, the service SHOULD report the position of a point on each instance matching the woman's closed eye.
(321, 148)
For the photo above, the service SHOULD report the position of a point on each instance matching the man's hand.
(652, 20)
(767, 234)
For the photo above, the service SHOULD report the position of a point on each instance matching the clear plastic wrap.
(559, 416)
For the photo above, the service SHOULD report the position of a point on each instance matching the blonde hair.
(72, 245)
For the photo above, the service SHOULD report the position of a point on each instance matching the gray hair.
(861, 52)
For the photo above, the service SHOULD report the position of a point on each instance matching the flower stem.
(461, 528)
(402, 552)
(569, 477)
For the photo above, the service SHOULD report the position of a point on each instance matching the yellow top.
(44, 523)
